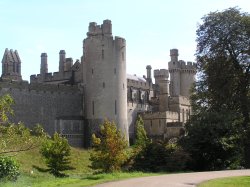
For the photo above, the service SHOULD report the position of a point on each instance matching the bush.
(56, 152)
(9, 169)
(109, 152)
(159, 156)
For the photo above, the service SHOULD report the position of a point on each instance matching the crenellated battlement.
(161, 73)
(50, 77)
(103, 29)
(39, 88)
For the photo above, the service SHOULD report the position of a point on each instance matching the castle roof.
(11, 56)
(135, 78)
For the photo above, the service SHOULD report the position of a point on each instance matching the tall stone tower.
(104, 64)
(182, 75)
(11, 65)
(161, 77)
(175, 73)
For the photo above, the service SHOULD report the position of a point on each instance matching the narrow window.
(102, 54)
(92, 71)
(14, 65)
(123, 56)
(93, 108)
(115, 108)
(103, 84)
(151, 124)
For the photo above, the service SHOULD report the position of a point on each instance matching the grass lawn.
(228, 182)
(81, 176)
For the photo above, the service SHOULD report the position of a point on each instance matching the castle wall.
(44, 104)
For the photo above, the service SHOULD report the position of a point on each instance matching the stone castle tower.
(182, 75)
(11, 65)
(104, 75)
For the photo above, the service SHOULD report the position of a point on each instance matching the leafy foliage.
(219, 129)
(56, 152)
(212, 141)
(108, 149)
(141, 139)
(6, 101)
(9, 169)
(159, 156)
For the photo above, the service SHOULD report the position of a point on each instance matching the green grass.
(72, 181)
(228, 182)
(81, 176)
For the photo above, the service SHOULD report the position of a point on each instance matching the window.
(14, 65)
(17, 68)
(102, 54)
(103, 84)
(115, 108)
(151, 124)
(92, 71)
(123, 56)
(93, 107)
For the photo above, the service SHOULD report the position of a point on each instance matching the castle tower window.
(115, 71)
(102, 54)
(92, 71)
(115, 108)
(103, 84)
(123, 56)
(93, 107)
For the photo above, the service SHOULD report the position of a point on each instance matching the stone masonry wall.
(43, 104)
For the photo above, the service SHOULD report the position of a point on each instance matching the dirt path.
(175, 180)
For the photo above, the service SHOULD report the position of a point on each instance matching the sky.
(151, 28)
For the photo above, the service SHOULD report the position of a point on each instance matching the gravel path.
(175, 180)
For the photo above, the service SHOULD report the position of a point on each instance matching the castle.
(75, 100)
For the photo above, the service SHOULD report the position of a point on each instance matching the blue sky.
(151, 28)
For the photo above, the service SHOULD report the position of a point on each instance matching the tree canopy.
(222, 90)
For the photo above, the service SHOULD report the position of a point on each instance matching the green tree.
(6, 102)
(212, 141)
(56, 152)
(159, 156)
(223, 60)
(141, 139)
(109, 149)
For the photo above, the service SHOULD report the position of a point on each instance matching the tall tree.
(223, 60)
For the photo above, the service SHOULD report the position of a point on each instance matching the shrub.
(9, 169)
(56, 152)
(109, 149)
(160, 156)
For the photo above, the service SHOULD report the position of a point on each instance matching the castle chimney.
(149, 78)
(62, 55)
(44, 64)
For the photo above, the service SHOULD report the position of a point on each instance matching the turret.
(175, 73)
(11, 65)
(161, 77)
(62, 55)
(174, 55)
(44, 64)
